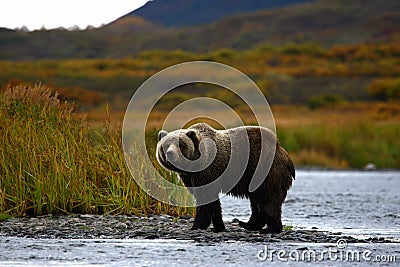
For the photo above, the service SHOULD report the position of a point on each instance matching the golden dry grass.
(52, 161)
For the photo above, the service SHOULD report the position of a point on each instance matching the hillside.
(178, 13)
(131, 24)
(326, 22)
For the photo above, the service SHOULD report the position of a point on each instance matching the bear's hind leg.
(217, 221)
(256, 221)
(273, 213)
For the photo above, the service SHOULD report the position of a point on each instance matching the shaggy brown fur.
(266, 201)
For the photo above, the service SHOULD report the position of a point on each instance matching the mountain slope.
(326, 22)
(178, 13)
(132, 24)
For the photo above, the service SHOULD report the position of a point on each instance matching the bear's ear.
(161, 134)
(192, 134)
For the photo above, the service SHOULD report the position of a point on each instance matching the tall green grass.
(53, 162)
(353, 144)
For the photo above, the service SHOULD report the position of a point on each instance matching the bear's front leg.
(207, 213)
(217, 221)
(203, 218)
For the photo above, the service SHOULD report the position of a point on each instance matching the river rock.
(156, 227)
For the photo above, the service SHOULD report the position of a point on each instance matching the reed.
(53, 162)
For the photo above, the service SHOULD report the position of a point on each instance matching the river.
(357, 203)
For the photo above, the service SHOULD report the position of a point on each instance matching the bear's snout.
(170, 155)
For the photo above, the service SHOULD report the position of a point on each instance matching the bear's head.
(176, 148)
(184, 150)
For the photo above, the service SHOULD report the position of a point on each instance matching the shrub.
(324, 100)
(385, 89)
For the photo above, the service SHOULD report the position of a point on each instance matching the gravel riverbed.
(159, 227)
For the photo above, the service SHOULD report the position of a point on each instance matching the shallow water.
(354, 203)
(117, 252)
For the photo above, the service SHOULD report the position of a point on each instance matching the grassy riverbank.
(52, 161)
(348, 135)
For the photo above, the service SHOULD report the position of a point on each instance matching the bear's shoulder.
(202, 127)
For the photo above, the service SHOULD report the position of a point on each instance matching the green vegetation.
(324, 100)
(288, 228)
(329, 81)
(341, 147)
(4, 217)
(290, 74)
(52, 161)
(348, 135)
(385, 89)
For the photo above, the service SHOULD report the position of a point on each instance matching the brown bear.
(211, 161)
